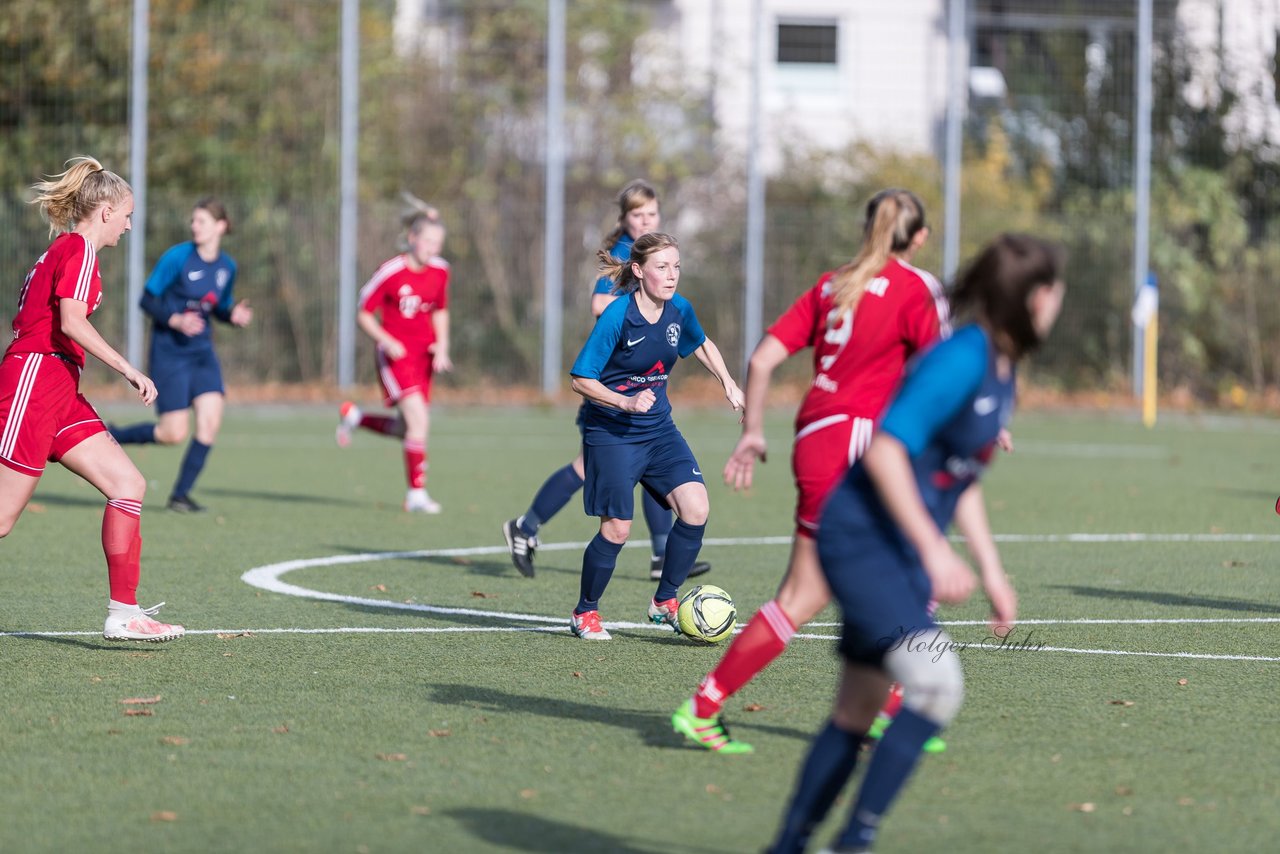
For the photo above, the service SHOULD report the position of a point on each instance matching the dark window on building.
(807, 43)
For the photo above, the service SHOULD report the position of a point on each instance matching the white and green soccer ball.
(707, 614)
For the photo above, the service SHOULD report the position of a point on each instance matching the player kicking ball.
(628, 435)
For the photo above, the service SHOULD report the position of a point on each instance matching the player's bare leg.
(102, 462)
(173, 427)
(16, 490)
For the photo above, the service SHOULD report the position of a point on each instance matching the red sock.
(387, 425)
(122, 544)
(763, 640)
(415, 463)
(893, 702)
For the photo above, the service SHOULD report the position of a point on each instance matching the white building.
(1231, 47)
(833, 71)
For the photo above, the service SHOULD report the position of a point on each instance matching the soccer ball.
(707, 614)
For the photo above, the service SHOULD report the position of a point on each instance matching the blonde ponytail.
(894, 217)
(72, 196)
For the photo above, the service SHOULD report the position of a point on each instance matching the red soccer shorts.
(404, 376)
(823, 452)
(42, 413)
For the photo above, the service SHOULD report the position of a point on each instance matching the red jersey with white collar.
(68, 269)
(405, 299)
(858, 361)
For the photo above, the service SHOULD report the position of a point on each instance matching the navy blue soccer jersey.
(183, 281)
(622, 251)
(628, 354)
(948, 413)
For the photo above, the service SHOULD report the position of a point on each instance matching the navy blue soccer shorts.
(180, 379)
(612, 472)
(882, 589)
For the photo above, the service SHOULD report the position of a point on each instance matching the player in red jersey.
(43, 415)
(404, 308)
(864, 321)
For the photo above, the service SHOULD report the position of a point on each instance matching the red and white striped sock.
(122, 544)
(763, 640)
(415, 463)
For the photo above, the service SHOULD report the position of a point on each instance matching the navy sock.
(135, 434)
(598, 561)
(192, 463)
(554, 494)
(659, 518)
(827, 768)
(682, 550)
(892, 763)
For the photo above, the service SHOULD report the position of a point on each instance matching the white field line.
(268, 578)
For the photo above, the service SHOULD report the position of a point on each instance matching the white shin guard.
(928, 669)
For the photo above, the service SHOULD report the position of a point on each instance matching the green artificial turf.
(294, 723)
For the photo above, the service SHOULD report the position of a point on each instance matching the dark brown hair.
(215, 209)
(994, 288)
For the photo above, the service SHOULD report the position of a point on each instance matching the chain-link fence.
(244, 104)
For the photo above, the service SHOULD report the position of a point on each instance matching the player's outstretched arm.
(709, 355)
(74, 316)
(889, 467)
(972, 523)
(768, 355)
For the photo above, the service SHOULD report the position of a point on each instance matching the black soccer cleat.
(184, 504)
(522, 548)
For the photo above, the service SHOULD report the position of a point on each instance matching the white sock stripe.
(777, 620)
(26, 382)
(126, 505)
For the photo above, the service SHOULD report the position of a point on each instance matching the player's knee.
(930, 675)
(696, 514)
(171, 434)
(128, 484)
(616, 530)
(6, 525)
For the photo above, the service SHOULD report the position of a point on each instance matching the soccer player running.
(192, 282)
(882, 541)
(864, 321)
(405, 309)
(628, 434)
(638, 214)
(43, 415)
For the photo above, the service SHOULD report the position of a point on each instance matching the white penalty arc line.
(269, 578)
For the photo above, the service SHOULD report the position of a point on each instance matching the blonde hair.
(624, 278)
(71, 197)
(894, 217)
(632, 196)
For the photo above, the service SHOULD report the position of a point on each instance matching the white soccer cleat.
(349, 416)
(137, 625)
(417, 501)
(587, 626)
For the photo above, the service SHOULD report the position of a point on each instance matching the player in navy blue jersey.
(883, 546)
(191, 283)
(638, 214)
(628, 436)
